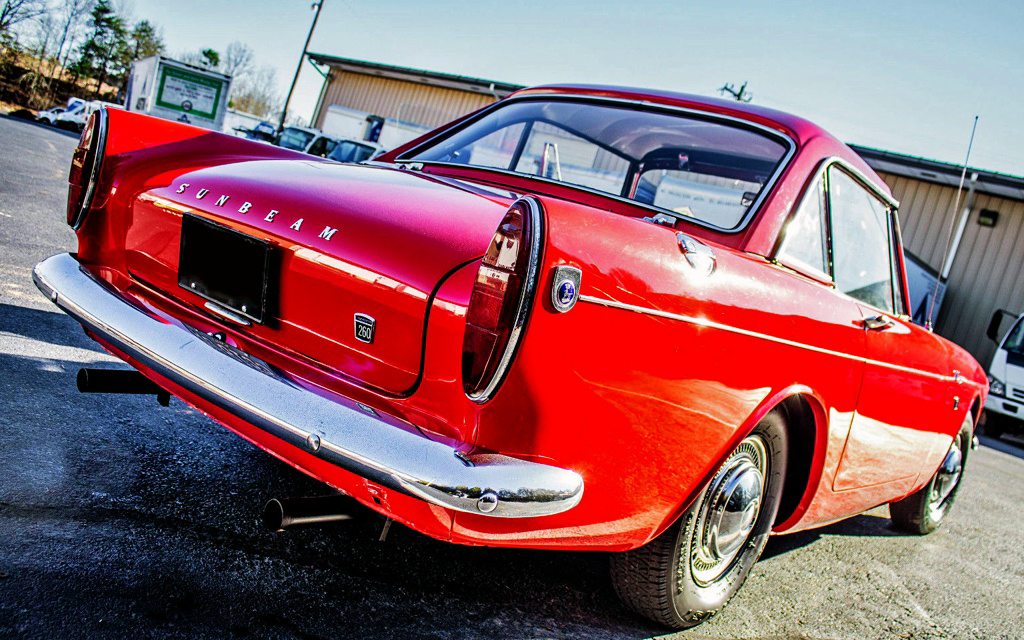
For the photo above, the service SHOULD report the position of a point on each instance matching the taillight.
(500, 302)
(85, 167)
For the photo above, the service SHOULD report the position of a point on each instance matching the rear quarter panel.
(646, 401)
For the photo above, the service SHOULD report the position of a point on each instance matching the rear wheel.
(688, 573)
(922, 512)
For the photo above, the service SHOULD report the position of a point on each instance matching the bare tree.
(206, 58)
(71, 20)
(72, 25)
(14, 11)
(740, 94)
(238, 61)
(257, 93)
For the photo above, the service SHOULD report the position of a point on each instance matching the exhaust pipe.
(119, 381)
(287, 513)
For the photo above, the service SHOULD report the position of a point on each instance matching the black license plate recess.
(225, 266)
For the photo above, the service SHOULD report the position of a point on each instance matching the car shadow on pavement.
(449, 589)
(866, 524)
(44, 326)
(1005, 445)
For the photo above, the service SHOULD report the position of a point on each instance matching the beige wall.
(407, 101)
(988, 271)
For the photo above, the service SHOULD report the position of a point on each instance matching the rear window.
(707, 170)
(348, 151)
(295, 139)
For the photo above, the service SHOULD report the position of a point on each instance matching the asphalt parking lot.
(121, 518)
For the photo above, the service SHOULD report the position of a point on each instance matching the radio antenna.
(952, 226)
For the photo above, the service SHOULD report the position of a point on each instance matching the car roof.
(799, 129)
(312, 130)
(796, 127)
(364, 143)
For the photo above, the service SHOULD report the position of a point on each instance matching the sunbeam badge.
(565, 287)
(365, 326)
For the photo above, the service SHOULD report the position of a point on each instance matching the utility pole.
(318, 5)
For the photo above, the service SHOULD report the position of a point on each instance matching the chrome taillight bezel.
(531, 210)
(90, 152)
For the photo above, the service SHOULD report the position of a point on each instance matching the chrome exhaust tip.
(288, 513)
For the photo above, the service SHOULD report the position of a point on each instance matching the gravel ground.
(120, 518)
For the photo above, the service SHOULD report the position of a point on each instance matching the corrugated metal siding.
(988, 271)
(406, 101)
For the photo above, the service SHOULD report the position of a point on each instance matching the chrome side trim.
(533, 209)
(710, 324)
(392, 455)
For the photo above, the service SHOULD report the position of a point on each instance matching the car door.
(905, 389)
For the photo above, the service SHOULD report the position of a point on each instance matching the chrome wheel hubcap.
(729, 511)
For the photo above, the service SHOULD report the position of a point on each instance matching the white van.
(1004, 406)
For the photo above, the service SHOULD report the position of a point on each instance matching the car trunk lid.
(353, 246)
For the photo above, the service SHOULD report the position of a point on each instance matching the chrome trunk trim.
(387, 454)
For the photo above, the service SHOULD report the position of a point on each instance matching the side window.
(860, 242)
(804, 242)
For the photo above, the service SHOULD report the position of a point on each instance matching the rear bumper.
(385, 451)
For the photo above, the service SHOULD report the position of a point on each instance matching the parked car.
(580, 318)
(75, 117)
(306, 140)
(1004, 406)
(355, 151)
(263, 131)
(49, 116)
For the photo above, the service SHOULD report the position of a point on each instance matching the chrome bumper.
(488, 484)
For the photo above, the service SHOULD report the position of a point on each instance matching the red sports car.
(579, 318)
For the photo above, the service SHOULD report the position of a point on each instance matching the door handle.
(877, 323)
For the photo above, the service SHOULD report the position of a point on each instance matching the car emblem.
(365, 328)
(566, 292)
(565, 288)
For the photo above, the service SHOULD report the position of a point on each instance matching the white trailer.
(178, 91)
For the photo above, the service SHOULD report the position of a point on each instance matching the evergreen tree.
(146, 41)
(103, 55)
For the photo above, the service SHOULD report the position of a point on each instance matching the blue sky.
(901, 76)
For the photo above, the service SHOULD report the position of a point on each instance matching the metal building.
(985, 269)
(412, 99)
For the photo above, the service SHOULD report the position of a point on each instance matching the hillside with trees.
(51, 50)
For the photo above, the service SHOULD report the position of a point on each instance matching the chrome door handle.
(877, 323)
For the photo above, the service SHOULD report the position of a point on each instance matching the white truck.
(78, 112)
(1004, 407)
(175, 90)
